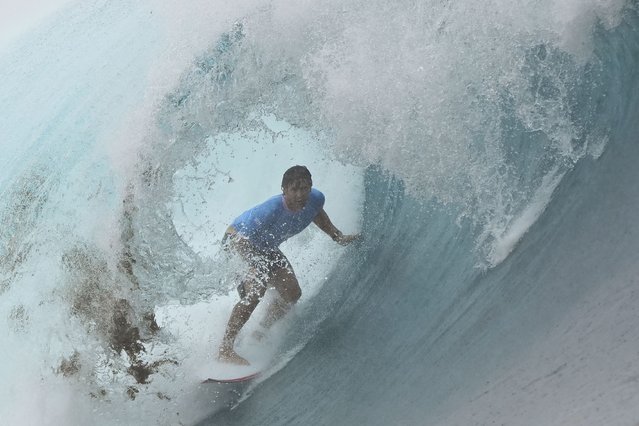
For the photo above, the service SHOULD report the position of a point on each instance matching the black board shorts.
(263, 263)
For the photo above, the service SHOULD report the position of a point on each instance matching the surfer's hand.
(345, 240)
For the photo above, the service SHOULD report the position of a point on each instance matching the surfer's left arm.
(324, 223)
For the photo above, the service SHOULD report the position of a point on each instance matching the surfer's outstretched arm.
(324, 223)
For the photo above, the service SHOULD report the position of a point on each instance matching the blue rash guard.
(269, 224)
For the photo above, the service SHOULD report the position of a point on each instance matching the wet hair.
(296, 173)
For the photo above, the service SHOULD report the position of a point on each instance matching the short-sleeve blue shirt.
(269, 224)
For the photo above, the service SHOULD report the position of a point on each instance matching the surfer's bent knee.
(251, 292)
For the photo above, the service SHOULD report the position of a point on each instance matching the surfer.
(256, 235)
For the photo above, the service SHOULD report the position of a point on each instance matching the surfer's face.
(296, 194)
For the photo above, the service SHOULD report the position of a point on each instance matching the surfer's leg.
(253, 292)
(283, 279)
(275, 311)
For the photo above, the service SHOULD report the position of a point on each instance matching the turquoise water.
(486, 153)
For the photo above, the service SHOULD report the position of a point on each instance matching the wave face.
(487, 154)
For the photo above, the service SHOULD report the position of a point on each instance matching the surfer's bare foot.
(232, 357)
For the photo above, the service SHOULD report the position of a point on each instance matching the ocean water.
(486, 152)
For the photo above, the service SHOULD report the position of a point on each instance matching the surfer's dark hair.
(296, 173)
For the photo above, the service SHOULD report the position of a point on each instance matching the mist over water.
(455, 136)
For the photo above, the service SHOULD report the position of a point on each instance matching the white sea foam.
(504, 241)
